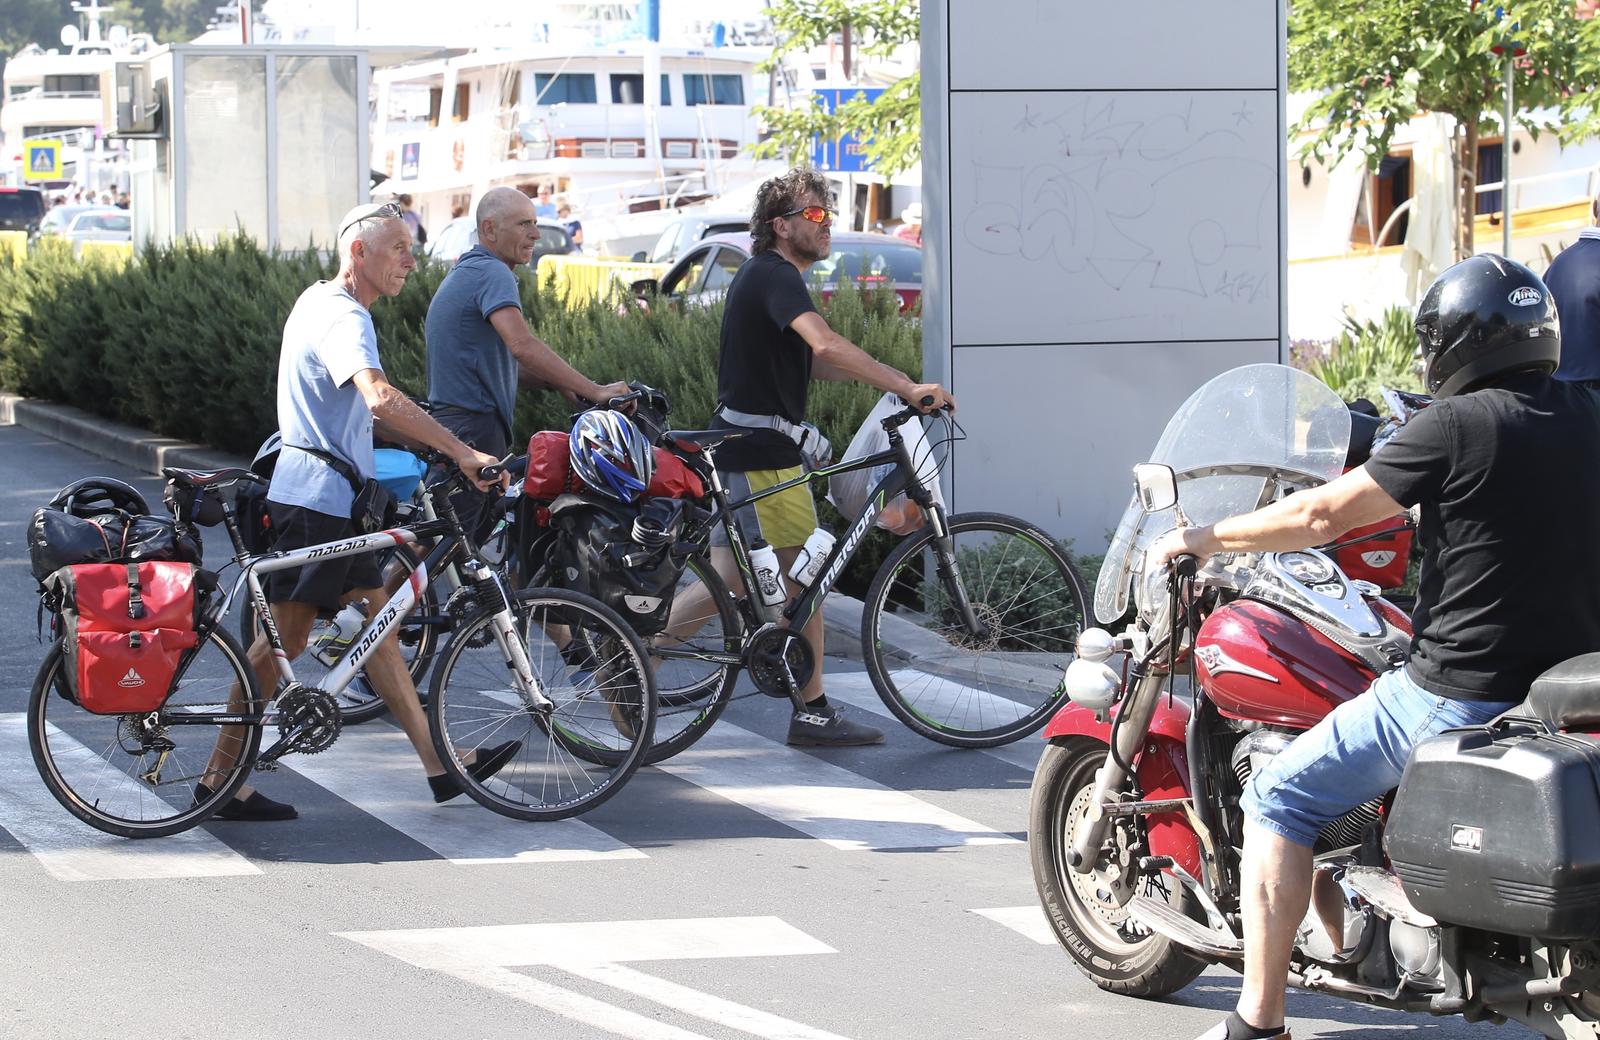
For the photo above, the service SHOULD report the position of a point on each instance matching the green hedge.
(185, 342)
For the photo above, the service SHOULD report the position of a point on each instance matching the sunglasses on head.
(387, 211)
(815, 214)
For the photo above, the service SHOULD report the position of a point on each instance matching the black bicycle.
(966, 629)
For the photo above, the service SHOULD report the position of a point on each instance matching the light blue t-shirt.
(468, 366)
(328, 339)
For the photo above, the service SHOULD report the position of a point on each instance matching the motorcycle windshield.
(1242, 429)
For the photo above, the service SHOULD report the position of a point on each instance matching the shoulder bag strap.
(340, 466)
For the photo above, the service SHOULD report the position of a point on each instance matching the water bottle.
(769, 578)
(809, 563)
(347, 624)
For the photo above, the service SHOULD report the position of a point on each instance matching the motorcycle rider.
(1502, 466)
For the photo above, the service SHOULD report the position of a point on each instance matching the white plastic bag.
(848, 491)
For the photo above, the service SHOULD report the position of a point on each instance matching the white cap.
(912, 214)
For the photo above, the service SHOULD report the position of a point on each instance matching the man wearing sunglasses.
(332, 391)
(774, 342)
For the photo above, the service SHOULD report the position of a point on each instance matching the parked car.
(687, 229)
(21, 209)
(872, 261)
(461, 234)
(58, 219)
(100, 224)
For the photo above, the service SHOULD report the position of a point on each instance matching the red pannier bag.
(124, 629)
(1382, 561)
(674, 479)
(550, 474)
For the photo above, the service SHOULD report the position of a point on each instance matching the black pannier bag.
(58, 539)
(621, 555)
(1498, 827)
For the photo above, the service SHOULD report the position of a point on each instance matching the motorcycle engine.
(1416, 952)
(1260, 746)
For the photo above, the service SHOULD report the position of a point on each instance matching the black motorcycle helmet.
(93, 496)
(1484, 317)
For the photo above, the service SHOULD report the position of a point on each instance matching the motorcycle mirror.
(1156, 485)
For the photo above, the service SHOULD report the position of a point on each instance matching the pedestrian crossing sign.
(41, 159)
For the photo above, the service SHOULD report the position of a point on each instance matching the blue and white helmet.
(611, 455)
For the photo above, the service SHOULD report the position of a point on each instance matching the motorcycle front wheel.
(1087, 912)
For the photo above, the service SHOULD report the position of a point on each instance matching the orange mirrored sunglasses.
(815, 214)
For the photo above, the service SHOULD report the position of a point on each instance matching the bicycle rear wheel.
(952, 684)
(692, 689)
(576, 756)
(419, 639)
(136, 776)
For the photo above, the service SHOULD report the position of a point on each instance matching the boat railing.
(1590, 174)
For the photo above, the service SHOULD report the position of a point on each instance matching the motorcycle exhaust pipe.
(1133, 722)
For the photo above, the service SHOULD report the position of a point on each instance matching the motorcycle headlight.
(1092, 684)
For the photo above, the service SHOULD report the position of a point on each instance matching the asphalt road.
(743, 889)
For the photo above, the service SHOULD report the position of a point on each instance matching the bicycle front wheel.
(694, 679)
(563, 761)
(140, 776)
(965, 685)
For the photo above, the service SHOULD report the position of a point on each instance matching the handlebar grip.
(1185, 565)
(927, 400)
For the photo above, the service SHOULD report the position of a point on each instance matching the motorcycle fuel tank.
(1260, 664)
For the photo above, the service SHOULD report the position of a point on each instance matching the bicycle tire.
(1016, 672)
(464, 715)
(688, 710)
(63, 745)
(419, 643)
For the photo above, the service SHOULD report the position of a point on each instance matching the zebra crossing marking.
(830, 803)
(72, 850)
(1027, 921)
(374, 768)
(856, 690)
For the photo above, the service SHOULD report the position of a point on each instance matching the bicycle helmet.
(611, 455)
(1484, 317)
(92, 496)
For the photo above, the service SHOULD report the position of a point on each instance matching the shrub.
(1368, 355)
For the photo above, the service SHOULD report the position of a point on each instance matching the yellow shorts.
(783, 521)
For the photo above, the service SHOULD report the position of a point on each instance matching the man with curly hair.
(774, 342)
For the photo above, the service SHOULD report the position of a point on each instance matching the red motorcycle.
(1472, 890)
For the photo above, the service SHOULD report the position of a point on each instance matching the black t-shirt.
(764, 366)
(1510, 533)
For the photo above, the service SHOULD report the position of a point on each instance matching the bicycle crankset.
(309, 720)
(778, 657)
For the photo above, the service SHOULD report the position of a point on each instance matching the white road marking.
(1027, 921)
(699, 1004)
(856, 689)
(376, 769)
(830, 803)
(484, 956)
(72, 850)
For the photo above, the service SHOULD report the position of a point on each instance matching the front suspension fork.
(1128, 735)
(944, 551)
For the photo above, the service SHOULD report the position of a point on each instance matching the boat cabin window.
(573, 88)
(627, 88)
(1385, 191)
(713, 90)
(72, 84)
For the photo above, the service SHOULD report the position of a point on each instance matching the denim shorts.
(1354, 755)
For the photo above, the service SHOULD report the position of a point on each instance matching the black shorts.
(320, 584)
(485, 432)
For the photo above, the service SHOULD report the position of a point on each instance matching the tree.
(30, 21)
(889, 127)
(169, 21)
(1377, 65)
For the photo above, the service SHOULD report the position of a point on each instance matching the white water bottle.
(809, 563)
(352, 617)
(769, 578)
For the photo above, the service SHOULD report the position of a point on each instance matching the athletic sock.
(820, 702)
(1239, 1029)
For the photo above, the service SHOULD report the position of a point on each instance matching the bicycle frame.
(903, 478)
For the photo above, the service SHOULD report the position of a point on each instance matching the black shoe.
(827, 727)
(489, 762)
(257, 807)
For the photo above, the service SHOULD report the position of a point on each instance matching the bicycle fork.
(510, 640)
(944, 551)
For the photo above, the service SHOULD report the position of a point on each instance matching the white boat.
(578, 119)
(55, 94)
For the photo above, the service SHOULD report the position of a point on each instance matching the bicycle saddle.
(694, 440)
(204, 478)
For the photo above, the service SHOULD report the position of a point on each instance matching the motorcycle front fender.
(1162, 769)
